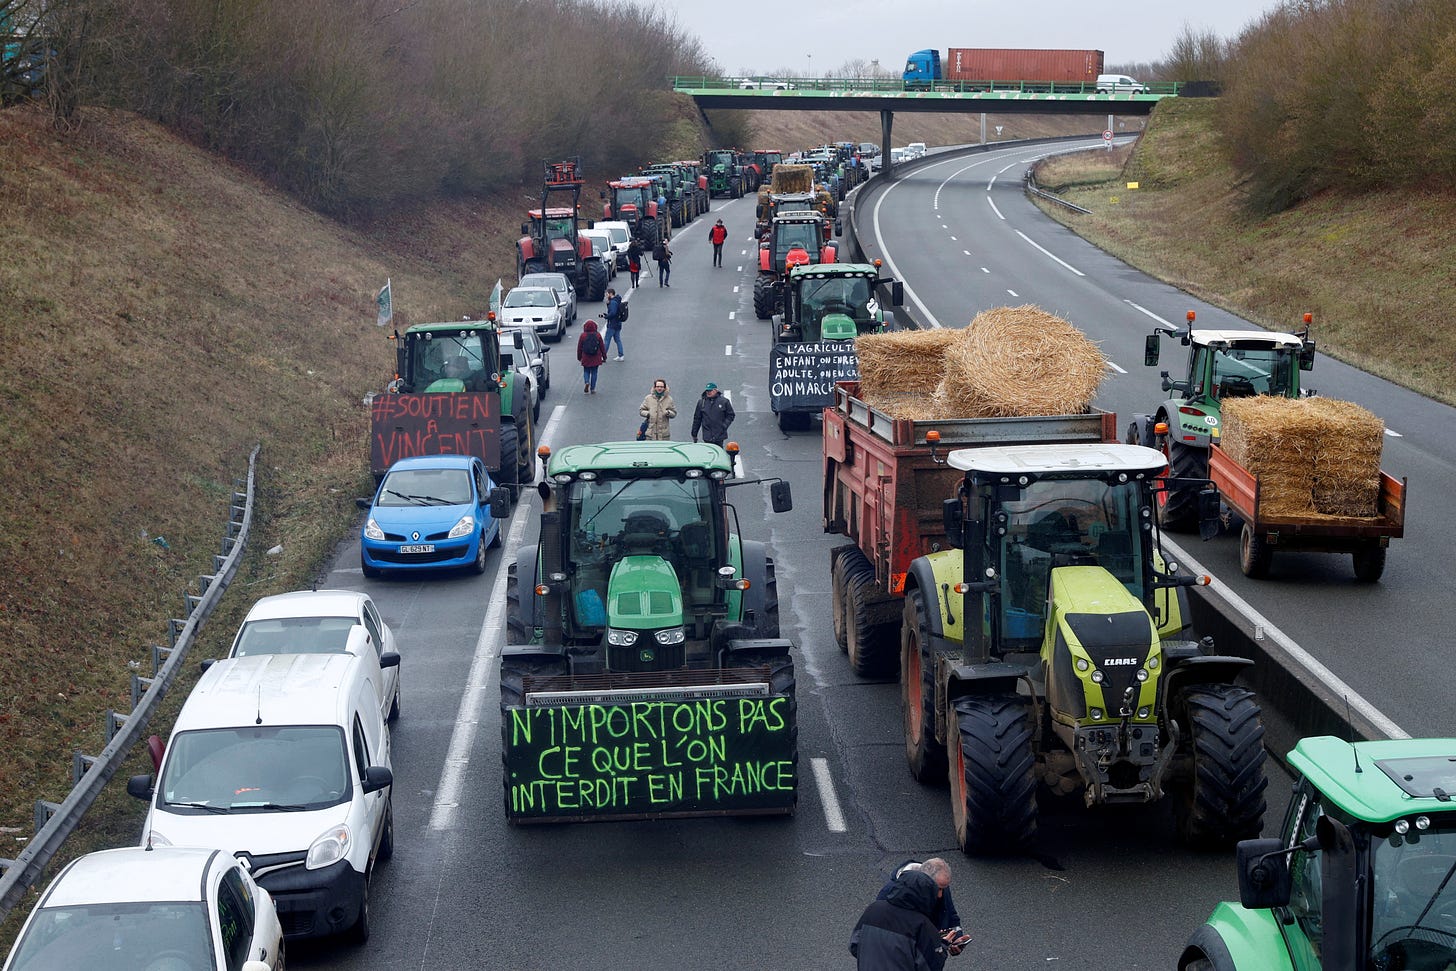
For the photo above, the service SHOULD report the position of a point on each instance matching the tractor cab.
(835, 302)
(556, 229)
(449, 357)
(802, 230)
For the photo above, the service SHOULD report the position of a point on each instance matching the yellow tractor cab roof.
(1069, 461)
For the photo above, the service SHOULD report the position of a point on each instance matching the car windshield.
(295, 635)
(530, 298)
(551, 281)
(426, 487)
(1414, 909)
(620, 234)
(117, 937)
(255, 768)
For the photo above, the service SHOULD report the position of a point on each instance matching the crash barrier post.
(89, 774)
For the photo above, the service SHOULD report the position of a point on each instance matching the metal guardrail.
(56, 821)
(1028, 181)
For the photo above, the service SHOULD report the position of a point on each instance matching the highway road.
(464, 890)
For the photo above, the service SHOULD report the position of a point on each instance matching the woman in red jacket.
(591, 351)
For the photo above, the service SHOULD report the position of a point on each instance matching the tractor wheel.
(1221, 800)
(1369, 564)
(510, 471)
(518, 626)
(735, 189)
(992, 777)
(515, 668)
(649, 236)
(1255, 554)
(532, 266)
(763, 296)
(1134, 434)
(596, 279)
(872, 646)
(925, 754)
(1179, 510)
(768, 626)
(795, 421)
(837, 599)
(780, 682)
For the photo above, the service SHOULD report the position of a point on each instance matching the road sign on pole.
(1107, 135)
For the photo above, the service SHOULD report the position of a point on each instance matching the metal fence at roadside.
(89, 774)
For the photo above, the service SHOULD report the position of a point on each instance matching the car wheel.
(478, 566)
(359, 933)
(386, 840)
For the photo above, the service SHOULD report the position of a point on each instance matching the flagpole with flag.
(385, 303)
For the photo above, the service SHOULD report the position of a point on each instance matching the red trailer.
(1012, 64)
(884, 491)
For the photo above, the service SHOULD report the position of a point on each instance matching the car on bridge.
(1119, 84)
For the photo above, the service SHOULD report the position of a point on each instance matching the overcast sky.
(761, 36)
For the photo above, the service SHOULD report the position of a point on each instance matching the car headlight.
(621, 638)
(672, 635)
(372, 530)
(465, 527)
(329, 848)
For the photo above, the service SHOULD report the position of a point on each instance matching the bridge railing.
(751, 85)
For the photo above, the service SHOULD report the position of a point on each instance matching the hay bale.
(903, 362)
(792, 178)
(1313, 456)
(1014, 361)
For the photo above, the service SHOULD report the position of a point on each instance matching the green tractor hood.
(644, 594)
(838, 327)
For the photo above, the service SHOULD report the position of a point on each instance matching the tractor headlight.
(1143, 711)
(672, 635)
(464, 527)
(1083, 664)
(1142, 674)
(621, 638)
(372, 530)
(1152, 664)
(1096, 714)
(1096, 677)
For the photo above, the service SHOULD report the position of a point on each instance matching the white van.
(1119, 84)
(916, 150)
(283, 761)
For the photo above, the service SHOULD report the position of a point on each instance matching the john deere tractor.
(682, 199)
(1362, 876)
(793, 239)
(551, 240)
(1047, 649)
(644, 615)
(633, 199)
(725, 172)
(1221, 364)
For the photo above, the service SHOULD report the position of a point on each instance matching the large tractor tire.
(1255, 554)
(1369, 564)
(925, 754)
(735, 189)
(509, 473)
(795, 421)
(1220, 799)
(520, 625)
(837, 598)
(532, 266)
(650, 235)
(873, 647)
(596, 279)
(516, 668)
(1179, 510)
(765, 297)
(992, 775)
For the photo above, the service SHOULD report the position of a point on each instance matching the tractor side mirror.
(1209, 514)
(953, 514)
(1151, 348)
(500, 502)
(525, 229)
(1306, 356)
(1264, 879)
(897, 294)
(601, 193)
(780, 496)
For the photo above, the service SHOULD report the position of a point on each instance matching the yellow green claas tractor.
(1049, 648)
(643, 674)
(1362, 876)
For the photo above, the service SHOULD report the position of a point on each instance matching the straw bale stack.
(792, 178)
(903, 363)
(1313, 456)
(1017, 361)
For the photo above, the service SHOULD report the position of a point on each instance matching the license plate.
(425, 548)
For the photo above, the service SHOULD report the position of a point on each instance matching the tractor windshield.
(838, 295)
(789, 235)
(1245, 371)
(559, 227)
(1065, 522)
(1414, 903)
(626, 197)
(612, 518)
(463, 356)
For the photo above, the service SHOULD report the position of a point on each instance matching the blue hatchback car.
(432, 512)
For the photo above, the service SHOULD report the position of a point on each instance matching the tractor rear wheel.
(992, 777)
(1220, 800)
(923, 751)
(650, 234)
(872, 648)
(1369, 564)
(533, 266)
(510, 469)
(768, 625)
(1254, 553)
(837, 599)
(1179, 510)
(518, 626)
(764, 297)
(596, 279)
(795, 421)
(515, 668)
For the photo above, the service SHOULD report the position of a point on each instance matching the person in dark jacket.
(717, 235)
(897, 934)
(613, 317)
(662, 256)
(712, 416)
(591, 351)
(944, 914)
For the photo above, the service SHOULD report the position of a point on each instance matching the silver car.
(557, 282)
(601, 241)
(537, 308)
(538, 354)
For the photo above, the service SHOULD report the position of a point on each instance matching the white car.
(1119, 84)
(916, 150)
(621, 235)
(537, 308)
(601, 241)
(162, 909)
(515, 356)
(324, 622)
(557, 282)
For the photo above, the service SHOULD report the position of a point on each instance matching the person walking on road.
(614, 324)
(658, 408)
(712, 416)
(635, 255)
(663, 256)
(591, 351)
(943, 914)
(717, 236)
(897, 934)
(634, 267)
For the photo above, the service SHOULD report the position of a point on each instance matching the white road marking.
(487, 646)
(1146, 311)
(1014, 293)
(1263, 628)
(994, 209)
(743, 253)
(740, 269)
(968, 253)
(833, 815)
(1116, 368)
(944, 226)
(727, 350)
(1049, 253)
(732, 315)
(1394, 434)
(992, 182)
(983, 269)
(735, 289)
(1010, 166)
(954, 240)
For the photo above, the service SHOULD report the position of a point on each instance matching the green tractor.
(725, 172)
(451, 394)
(1362, 877)
(1047, 648)
(1221, 364)
(644, 612)
(681, 197)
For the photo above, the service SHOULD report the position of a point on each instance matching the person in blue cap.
(712, 416)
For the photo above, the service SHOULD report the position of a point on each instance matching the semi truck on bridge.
(987, 64)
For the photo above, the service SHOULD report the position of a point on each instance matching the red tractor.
(551, 241)
(758, 167)
(633, 199)
(793, 239)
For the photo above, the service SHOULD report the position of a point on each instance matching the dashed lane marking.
(833, 815)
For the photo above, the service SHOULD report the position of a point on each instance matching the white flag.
(385, 303)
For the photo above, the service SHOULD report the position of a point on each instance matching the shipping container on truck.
(1015, 64)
